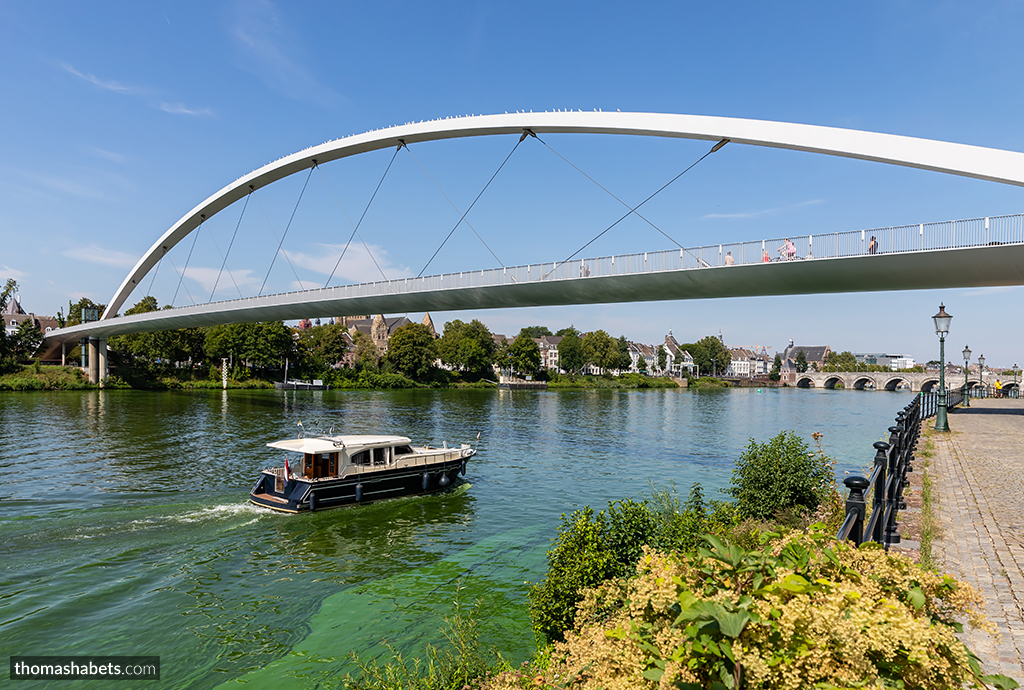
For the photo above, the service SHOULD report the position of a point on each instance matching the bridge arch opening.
(864, 383)
(929, 385)
(805, 382)
(834, 382)
(896, 384)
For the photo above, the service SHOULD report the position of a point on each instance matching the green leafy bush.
(801, 611)
(780, 475)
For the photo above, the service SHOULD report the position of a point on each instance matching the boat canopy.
(352, 443)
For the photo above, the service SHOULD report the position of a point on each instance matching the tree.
(625, 361)
(524, 355)
(601, 350)
(662, 357)
(412, 351)
(841, 361)
(801, 362)
(321, 347)
(570, 351)
(710, 354)
(467, 347)
(567, 330)
(367, 355)
(8, 362)
(25, 340)
(75, 310)
(535, 331)
(776, 373)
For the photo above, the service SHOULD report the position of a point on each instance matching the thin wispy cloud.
(268, 49)
(107, 84)
(8, 272)
(179, 109)
(66, 186)
(108, 155)
(358, 266)
(95, 254)
(208, 278)
(146, 94)
(764, 212)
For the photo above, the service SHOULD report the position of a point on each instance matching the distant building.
(14, 314)
(647, 353)
(893, 362)
(548, 345)
(677, 359)
(380, 328)
(816, 355)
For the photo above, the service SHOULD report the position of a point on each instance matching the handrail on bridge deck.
(893, 461)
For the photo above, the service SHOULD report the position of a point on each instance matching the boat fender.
(312, 501)
(445, 481)
(463, 468)
(426, 480)
(359, 491)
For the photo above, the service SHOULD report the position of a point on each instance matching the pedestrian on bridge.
(729, 261)
(873, 246)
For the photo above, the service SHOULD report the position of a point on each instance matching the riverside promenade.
(978, 475)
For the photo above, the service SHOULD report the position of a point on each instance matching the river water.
(125, 527)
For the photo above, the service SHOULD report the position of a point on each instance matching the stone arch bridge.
(871, 380)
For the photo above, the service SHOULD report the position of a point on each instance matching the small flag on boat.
(287, 472)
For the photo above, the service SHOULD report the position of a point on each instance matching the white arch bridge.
(967, 253)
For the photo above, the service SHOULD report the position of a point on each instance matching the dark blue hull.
(301, 495)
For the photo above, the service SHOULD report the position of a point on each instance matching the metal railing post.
(881, 477)
(856, 504)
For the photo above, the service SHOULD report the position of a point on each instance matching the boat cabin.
(326, 457)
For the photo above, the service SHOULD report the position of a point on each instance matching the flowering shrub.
(802, 611)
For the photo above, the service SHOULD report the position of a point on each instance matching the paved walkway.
(978, 474)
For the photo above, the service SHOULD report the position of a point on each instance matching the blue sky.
(120, 117)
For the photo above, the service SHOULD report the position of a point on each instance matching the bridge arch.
(928, 385)
(832, 381)
(894, 383)
(805, 382)
(863, 382)
(1006, 167)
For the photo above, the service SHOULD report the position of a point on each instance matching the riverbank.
(51, 378)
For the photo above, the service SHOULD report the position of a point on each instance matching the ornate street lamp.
(967, 368)
(981, 373)
(942, 320)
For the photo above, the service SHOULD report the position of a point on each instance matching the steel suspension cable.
(230, 244)
(175, 269)
(284, 234)
(633, 209)
(153, 279)
(355, 229)
(191, 249)
(462, 217)
(365, 246)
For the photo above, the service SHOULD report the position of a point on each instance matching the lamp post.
(981, 373)
(967, 368)
(1016, 390)
(942, 320)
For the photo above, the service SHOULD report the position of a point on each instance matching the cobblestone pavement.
(978, 474)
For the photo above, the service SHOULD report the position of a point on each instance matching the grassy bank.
(625, 381)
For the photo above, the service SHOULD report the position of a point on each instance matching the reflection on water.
(125, 529)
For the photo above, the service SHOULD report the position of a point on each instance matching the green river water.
(125, 527)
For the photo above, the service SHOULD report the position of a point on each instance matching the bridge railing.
(892, 462)
(906, 238)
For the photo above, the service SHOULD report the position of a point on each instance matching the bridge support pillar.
(97, 360)
(101, 360)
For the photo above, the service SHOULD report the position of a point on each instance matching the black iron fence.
(893, 461)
